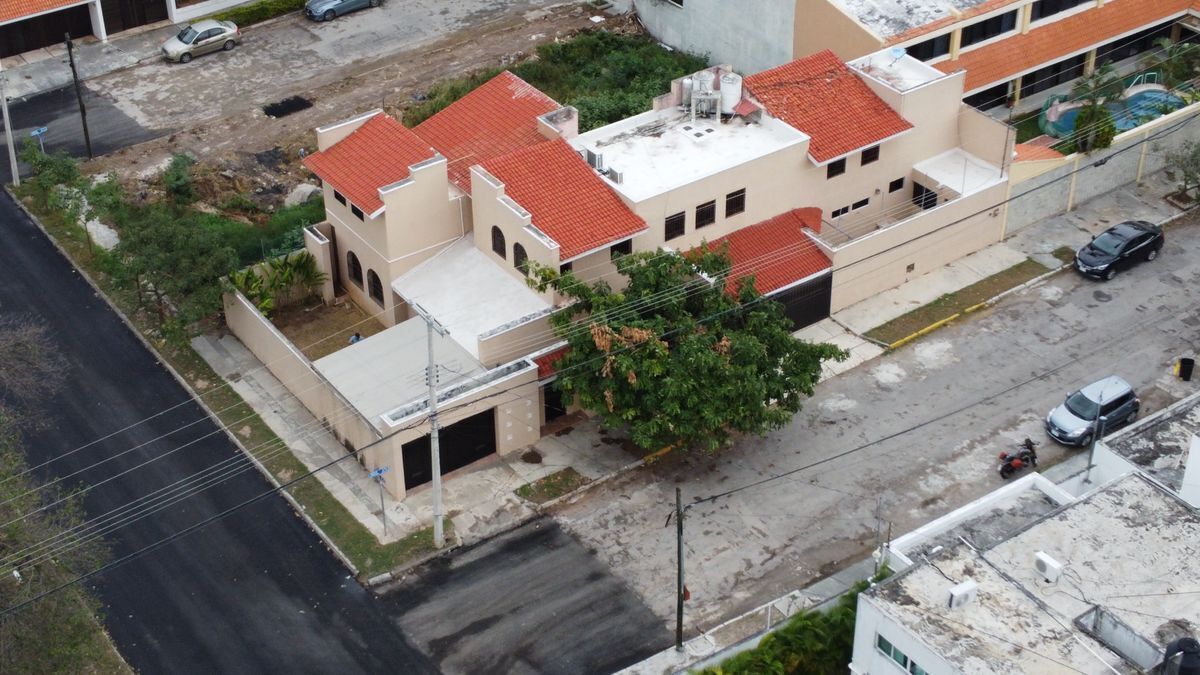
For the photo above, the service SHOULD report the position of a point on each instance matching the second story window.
(620, 248)
(869, 155)
(674, 225)
(836, 168)
(1044, 8)
(498, 246)
(838, 213)
(356, 211)
(340, 197)
(565, 267)
(735, 202)
(989, 28)
(860, 203)
(520, 258)
(895, 185)
(931, 48)
(706, 214)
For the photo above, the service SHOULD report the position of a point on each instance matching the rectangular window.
(895, 185)
(869, 155)
(621, 248)
(706, 214)
(674, 226)
(340, 197)
(923, 196)
(1052, 75)
(989, 28)
(838, 213)
(356, 211)
(835, 168)
(1045, 8)
(931, 48)
(989, 98)
(860, 203)
(735, 202)
(564, 268)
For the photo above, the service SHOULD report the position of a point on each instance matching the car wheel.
(229, 45)
(1006, 471)
(185, 57)
(1110, 273)
(1085, 441)
(329, 15)
(1132, 417)
(1152, 254)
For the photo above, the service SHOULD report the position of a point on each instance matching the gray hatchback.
(328, 10)
(1111, 400)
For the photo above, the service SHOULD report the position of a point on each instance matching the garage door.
(41, 31)
(808, 302)
(460, 443)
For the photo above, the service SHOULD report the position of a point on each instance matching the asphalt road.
(254, 592)
(530, 601)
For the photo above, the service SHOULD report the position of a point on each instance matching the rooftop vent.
(963, 593)
(614, 175)
(595, 160)
(1048, 567)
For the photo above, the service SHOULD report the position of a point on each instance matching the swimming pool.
(1127, 113)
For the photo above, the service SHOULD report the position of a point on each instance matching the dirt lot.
(252, 153)
(320, 330)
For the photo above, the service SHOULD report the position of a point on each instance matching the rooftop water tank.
(704, 81)
(731, 92)
(687, 92)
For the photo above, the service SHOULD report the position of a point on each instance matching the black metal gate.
(42, 31)
(122, 15)
(460, 443)
(552, 402)
(806, 303)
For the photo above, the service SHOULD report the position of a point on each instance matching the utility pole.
(87, 138)
(679, 587)
(12, 148)
(432, 326)
(1097, 431)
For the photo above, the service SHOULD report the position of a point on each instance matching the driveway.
(530, 601)
(895, 442)
(254, 592)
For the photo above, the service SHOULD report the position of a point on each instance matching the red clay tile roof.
(820, 96)
(496, 118)
(1003, 60)
(545, 362)
(776, 251)
(1028, 152)
(376, 154)
(566, 198)
(745, 107)
(11, 10)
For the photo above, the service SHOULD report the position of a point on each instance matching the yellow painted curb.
(927, 329)
(657, 455)
(977, 307)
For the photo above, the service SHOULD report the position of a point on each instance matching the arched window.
(354, 269)
(498, 246)
(374, 286)
(520, 258)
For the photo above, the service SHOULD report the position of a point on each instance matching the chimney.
(562, 123)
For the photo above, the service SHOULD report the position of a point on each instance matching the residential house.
(1010, 49)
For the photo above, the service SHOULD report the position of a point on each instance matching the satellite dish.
(897, 53)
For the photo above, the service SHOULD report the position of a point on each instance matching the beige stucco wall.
(491, 207)
(516, 342)
(821, 25)
(879, 261)
(986, 138)
(320, 246)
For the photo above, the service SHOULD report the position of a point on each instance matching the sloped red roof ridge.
(820, 96)
(1004, 59)
(375, 155)
(776, 251)
(565, 197)
(11, 10)
(497, 117)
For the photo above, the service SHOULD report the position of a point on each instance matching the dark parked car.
(328, 10)
(1112, 399)
(1119, 247)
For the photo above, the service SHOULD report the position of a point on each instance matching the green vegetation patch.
(553, 486)
(1027, 127)
(606, 76)
(953, 303)
(1065, 254)
(259, 11)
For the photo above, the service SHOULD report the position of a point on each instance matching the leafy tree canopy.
(676, 358)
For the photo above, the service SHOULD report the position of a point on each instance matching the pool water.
(1127, 113)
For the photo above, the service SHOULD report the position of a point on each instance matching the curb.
(297, 508)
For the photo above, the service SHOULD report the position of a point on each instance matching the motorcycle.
(1026, 455)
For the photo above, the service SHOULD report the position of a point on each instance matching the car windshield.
(1082, 407)
(1108, 243)
(187, 35)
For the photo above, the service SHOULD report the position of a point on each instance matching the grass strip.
(553, 486)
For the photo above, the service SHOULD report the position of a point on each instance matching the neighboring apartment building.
(1010, 49)
(1039, 582)
(828, 182)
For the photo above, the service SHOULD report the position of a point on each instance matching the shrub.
(259, 11)
(177, 179)
(1094, 128)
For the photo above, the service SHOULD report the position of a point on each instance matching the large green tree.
(676, 356)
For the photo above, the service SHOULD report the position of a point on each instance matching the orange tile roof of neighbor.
(496, 118)
(1004, 59)
(565, 197)
(776, 251)
(11, 10)
(820, 96)
(1027, 152)
(375, 155)
(546, 362)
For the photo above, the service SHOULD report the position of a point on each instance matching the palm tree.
(1177, 62)
(1092, 92)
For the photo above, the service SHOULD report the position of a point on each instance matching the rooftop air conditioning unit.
(1048, 567)
(963, 593)
(615, 176)
(595, 160)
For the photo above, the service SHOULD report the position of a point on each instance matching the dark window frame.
(835, 168)
(499, 245)
(862, 203)
(838, 213)
(354, 270)
(930, 49)
(735, 202)
(565, 267)
(896, 185)
(340, 197)
(869, 156)
(375, 288)
(620, 248)
(358, 213)
(989, 28)
(674, 226)
(706, 214)
(520, 259)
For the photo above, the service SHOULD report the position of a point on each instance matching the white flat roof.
(898, 72)
(468, 293)
(888, 18)
(387, 370)
(960, 171)
(1161, 446)
(660, 150)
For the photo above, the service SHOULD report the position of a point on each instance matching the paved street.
(531, 601)
(929, 419)
(255, 592)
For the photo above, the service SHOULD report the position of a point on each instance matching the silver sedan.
(201, 37)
